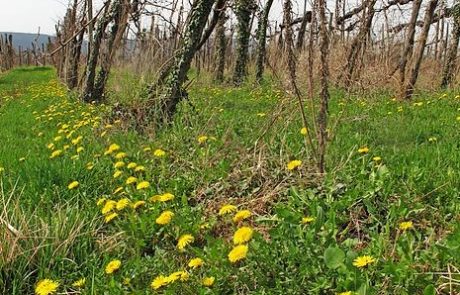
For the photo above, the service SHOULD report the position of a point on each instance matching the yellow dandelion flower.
(131, 180)
(101, 201)
(363, 261)
(195, 263)
(142, 185)
(57, 138)
(208, 281)
(56, 154)
(304, 131)
(226, 209)
(120, 155)
(165, 218)
(46, 287)
(307, 219)
(122, 204)
(184, 240)
(139, 169)
(80, 149)
(202, 139)
(162, 198)
(159, 282)
(376, 159)
(132, 165)
(363, 150)
(112, 148)
(241, 215)
(405, 225)
(119, 164)
(117, 174)
(77, 140)
(108, 206)
(345, 293)
(294, 164)
(113, 266)
(159, 153)
(242, 235)
(110, 217)
(73, 185)
(238, 253)
(90, 166)
(79, 283)
(138, 204)
(50, 146)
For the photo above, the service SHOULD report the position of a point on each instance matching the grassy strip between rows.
(91, 206)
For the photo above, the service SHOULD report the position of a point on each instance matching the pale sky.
(26, 16)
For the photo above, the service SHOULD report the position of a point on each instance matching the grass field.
(97, 207)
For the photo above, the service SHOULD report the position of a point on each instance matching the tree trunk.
(119, 16)
(450, 64)
(220, 48)
(358, 43)
(243, 12)
(262, 40)
(172, 92)
(303, 29)
(89, 4)
(101, 25)
(409, 43)
(324, 84)
(420, 49)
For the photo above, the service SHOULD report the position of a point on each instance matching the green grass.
(253, 132)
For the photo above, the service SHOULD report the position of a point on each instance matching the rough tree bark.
(450, 64)
(303, 26)
(220, 48)
(324, 84)
(165, 103)
(243, 12)
(119, 16)
(358, 43)
(409, 42)
(91, 65)
(262, 39)
(418, 55)
(75, 52)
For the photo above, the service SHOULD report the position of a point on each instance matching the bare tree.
(418, 54)
(324, 93)
(451, 58)
(243, 11)
(359, 42)
(221, 46)
(409, 42)
(119, 17)
(262, 39)
(163, 103)
(101, 25)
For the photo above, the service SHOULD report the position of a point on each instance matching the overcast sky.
(26, 16)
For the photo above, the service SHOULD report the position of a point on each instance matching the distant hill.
(25, 39)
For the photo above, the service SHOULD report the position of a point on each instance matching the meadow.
(224, 199)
